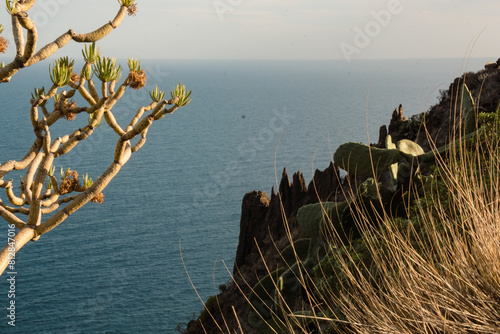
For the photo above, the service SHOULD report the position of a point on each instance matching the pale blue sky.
(280, 29)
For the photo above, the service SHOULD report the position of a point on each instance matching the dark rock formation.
(382, 136)
(263, 217)
(325, 184)
(253, 216)
(262, 226)
(491, 67)
(397, 121)
(444, 118)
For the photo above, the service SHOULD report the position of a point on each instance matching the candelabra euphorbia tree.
(42, 194)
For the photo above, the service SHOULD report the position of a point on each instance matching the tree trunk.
(13, 245)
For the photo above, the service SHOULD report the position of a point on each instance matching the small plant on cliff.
(44, 200)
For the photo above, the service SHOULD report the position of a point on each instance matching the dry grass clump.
(439, 270)
(435, 268)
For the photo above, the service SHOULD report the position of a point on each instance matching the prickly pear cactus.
(407, 170)
(290, 286)
(468, 110)
(298, 250)
(363, 160)
(262, 315)
(393, 169)
(369, 190)
(410, 147)
(319, 221)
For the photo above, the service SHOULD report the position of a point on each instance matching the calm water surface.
(116, 267)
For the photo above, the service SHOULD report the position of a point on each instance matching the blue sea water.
(116, 267)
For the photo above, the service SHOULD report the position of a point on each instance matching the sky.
(278, 29)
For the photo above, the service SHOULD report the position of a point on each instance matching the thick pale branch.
(69, 94)
(14, 245)
(10, 217)
(111, 120)
(104, 89)
(53, 207)
(112, 85)
(114, 97)
(165, 111)
(85, 94)
(96, 188)
(19, 165)
(51, 48)
(92, 90)
(139, 128)
(35, 214)
(93, 36)
(34, 117)
(13, 199)
(98, 107)
(22, 209)
(24, 6)
(45, 209)
(32, 36)
(54, 117)
(43, 171)
(58, 142)
(50, 201)
(100, 33)
(30, 175)
(141, 141)
(138, 115)
(158, 108)
(12, 68)
(51, 93)
(17, 31)
(73, 140)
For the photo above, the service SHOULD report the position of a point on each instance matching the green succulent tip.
(107, 70)
(126, 3)
(134, 65)
(90, 53)
(182, 97)
(11, 6)
(157, 95)
(61, 71)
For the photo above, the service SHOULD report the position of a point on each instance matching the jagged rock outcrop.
(397, 121)
(254, 208)
(325, 185)
(263, 217)
(442, 118)
(491, 67)
(382, 136)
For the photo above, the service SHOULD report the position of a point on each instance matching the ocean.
(174, 209)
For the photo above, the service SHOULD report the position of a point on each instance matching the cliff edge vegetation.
(407, 240)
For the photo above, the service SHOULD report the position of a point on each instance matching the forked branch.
(25, 51)
(41, 192)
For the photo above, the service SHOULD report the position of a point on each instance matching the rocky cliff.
(262, 217)
(268, 223)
